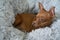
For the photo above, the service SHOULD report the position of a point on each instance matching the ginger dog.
(44, 18)
(29, 21)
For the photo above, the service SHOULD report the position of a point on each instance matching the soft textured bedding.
(8, 10)
(52, 33)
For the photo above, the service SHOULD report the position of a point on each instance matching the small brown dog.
(28, 21)
(44, 18)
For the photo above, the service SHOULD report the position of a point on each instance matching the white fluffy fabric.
(8, 10)
(10, 33)
(7, 32)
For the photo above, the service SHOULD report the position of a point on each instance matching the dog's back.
(24, 21)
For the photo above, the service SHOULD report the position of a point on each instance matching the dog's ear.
(52, 11)
(40, 6)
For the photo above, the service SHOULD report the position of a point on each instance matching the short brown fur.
(29, 21)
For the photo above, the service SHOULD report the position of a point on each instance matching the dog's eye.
(42, 19)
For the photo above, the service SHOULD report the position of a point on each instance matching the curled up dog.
(28, 21)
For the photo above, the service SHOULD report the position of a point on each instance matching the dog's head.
(44, 18)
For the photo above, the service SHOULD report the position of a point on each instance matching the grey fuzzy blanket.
(8, 10)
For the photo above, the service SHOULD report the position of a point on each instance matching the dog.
(29, 21)
(44, 18)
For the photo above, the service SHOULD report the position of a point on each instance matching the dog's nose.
(33, 23)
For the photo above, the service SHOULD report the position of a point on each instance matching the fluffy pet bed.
(8, 10)
(52, 33)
